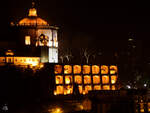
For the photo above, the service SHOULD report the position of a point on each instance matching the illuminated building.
(35, 40)
(87, 77)
(37, 44)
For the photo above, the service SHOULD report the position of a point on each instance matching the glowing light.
(30, 21)
(56, 110)
(113, 79)
(68, 79)
(105, 79)
(96, 79)
(27, 40)
(9, 52)
(95, 69)
(97, 87)
(58, 69)
(148, 105)
(113, 69)
(129, 87)
(59, 79)
(76, 69)
(32, 12)
(104, 69)
(87, 79)
(106, 87)
(55, 93)
(78, 79)
(145, 85)
(86, 69)
(67, 69)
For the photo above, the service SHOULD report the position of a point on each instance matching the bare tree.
(68, 55)
(87, 53)
(65, 54)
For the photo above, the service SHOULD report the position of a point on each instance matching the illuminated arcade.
(87, 77)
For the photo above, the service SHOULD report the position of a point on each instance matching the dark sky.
(88, 22)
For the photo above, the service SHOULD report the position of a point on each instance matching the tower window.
(27, 40)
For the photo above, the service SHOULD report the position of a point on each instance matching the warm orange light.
(86, 69)
(88, 88)
(59, 89)
(97, 87)
(113, 69)
(78, 79)
(68, 79)
(32, 21)
(67, 69)
(68, 89)
(148, 105)
(95, 69)
(58, 69)
(59, 79)
(76, 69)
(27, 40)
(32, 12)
(96, 79)
(106, 87)
(105, 79)
(80, 89)
(104, 69)
(87, 79)
(142, 107)
(113, 87)
(9, 52)
(55, 93)
(113, 79)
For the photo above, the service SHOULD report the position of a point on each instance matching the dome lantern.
(32, 12)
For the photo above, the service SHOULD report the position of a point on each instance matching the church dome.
(32, 19)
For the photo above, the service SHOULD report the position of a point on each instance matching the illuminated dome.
(32, 19)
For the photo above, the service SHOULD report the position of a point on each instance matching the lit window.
(87, 79)
(113, 69)
(106, 87)
(68, 89)
(58, 69)
(67, 69)
(96, 79)
(142, 107)
(88, 88)
(113, 87)
(104, 69)
(105, 79)
(27, 40)
(59, 89)
(80, 88)
(59, 79)
(113, 79)
(86, 69)
(78, 79)
(9, 52)
(97, 87)
(95, 69)
(68, 79)
(76, 69)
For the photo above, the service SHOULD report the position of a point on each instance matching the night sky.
(85, 23)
